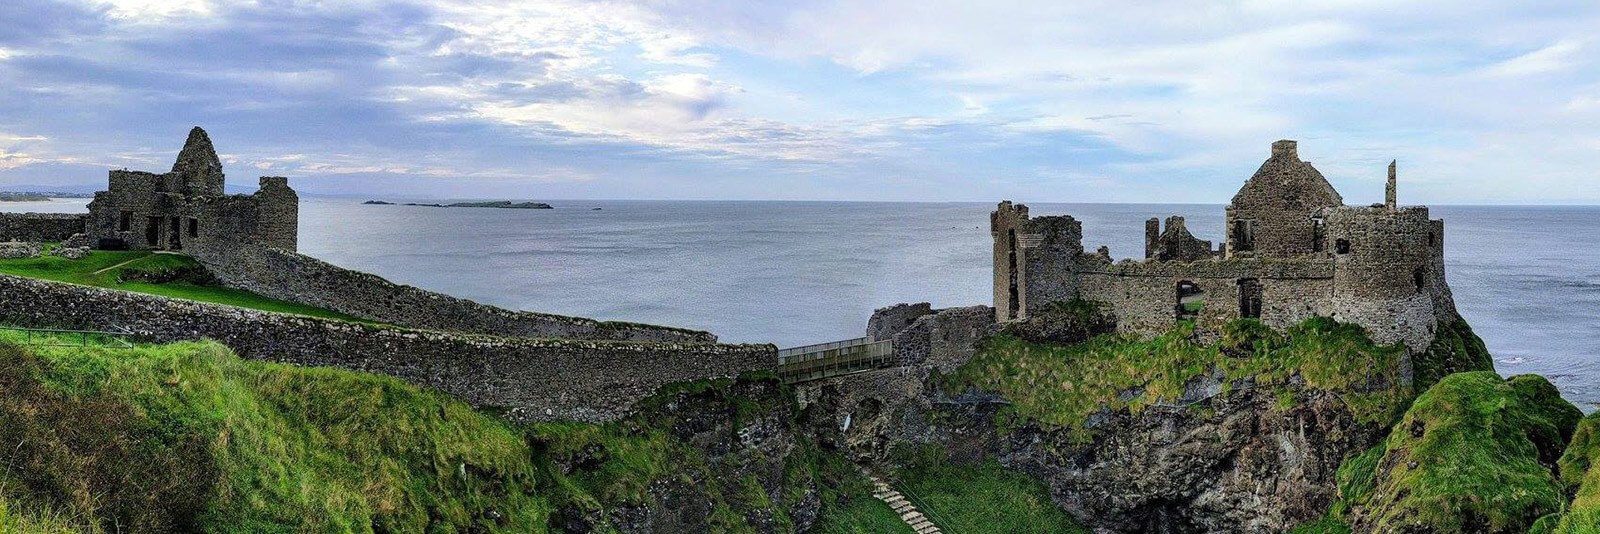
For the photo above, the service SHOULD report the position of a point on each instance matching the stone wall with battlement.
(40, 227)
(293, 277)
(530, 379)
(1293, 251)
(1384, 270)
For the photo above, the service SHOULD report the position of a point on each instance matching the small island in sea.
(23, 197)
(506, 204)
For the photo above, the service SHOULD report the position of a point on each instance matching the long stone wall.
(531, 379)
(299, 278)
(40, 226)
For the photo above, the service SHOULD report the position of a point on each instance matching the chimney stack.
(1284, 148)
(1388, 193)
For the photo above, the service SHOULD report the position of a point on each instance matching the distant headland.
(504, 204)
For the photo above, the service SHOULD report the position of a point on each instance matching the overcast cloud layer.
(1482, 102)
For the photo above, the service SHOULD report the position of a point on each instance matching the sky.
(894, 100)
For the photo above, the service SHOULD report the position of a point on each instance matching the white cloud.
(1552, 58)
(153, 10)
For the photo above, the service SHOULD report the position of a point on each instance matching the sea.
(794, 273)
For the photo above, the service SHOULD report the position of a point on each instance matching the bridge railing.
(823, 360)
(56, 337)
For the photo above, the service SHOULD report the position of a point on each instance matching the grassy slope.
(187, 436)
(1472, 454)
(88, 271)
(1580, 478)
(16, 519)
(1059, 386)
(980, 499)
(1455, 349)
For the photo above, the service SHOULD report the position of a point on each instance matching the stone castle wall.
(532, 379)
(1383, 269)
(932, 339)
(299, 278)
(40, 227)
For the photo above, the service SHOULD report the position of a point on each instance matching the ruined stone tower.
(1293, 251)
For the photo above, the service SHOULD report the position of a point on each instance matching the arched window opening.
(1319, 229)
(1244, 235)
(1418, 278)
(1190, 300)
(1249, 298)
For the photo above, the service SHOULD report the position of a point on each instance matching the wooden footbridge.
(825, 360)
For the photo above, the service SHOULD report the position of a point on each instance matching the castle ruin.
(188, 207)
(1292, 250)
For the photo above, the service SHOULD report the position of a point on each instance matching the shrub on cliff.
(1473, 454)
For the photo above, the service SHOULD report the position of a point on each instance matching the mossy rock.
(1474, 453)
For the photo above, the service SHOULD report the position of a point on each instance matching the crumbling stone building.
(1293, 250)
(187, 208)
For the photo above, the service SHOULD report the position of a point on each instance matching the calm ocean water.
(800, 272)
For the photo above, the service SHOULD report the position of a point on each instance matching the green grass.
(1325, 525)
(1455, 349)
(19, 520)
(188, 437)
(1059, 386)
(123, 270)
(1473, 454)
(848, 504)
(1580, 478)
(978, 499)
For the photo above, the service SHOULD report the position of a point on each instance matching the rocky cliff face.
(737, 469)
(1248, 461)
(1237, 432)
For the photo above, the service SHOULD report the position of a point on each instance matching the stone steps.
(908, 512)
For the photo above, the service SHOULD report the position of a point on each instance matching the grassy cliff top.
(189, 437)
(167, 275)
(1474, 453)
(1060, 386)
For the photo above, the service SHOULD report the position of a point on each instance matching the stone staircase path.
(908, 512)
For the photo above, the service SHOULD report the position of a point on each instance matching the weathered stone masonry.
(533, 379)
(299, 278)
(1293, 251)
(40, 227)
(188, 209)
